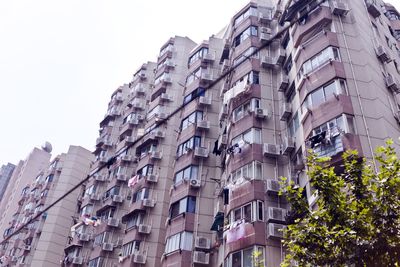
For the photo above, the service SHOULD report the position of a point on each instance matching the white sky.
(61, 60)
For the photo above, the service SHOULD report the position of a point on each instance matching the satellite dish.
(47, 147)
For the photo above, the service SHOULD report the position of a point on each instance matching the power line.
(157, 124)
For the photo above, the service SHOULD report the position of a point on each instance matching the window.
(294, 124)
(49, 178)
(191, 119)
(251, 136)
(38, 209)
(189, 173)
(97, 262)
(88, 209)
(250, 31)
(323, 94)
(104, 237)
(195, 75)
(249, 212)
(165, 49)
(326, 140)
(199, 54)
(178, 241)
(187, 204)
(25, 191)
(140, 195)
(107, 214)
(134, 220)
(144, 150)
(188, 145)
(90, 190)
(111, 192)
(130, 248)
(330, 53)
(244, 109)
(131, 116)
(119, 170)
(253, 170)
(246, 54)
(252, 78)
(244, 258)
(146, 170)
(196, 93)
(392, 15)
(251, 11)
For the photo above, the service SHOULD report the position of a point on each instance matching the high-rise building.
(202, 188)
(5, 174)
(35, 184)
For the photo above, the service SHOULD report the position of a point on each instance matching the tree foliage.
(356, 219)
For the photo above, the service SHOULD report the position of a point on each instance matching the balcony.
(201, 152)
(140, 89)
(317, 19)
(254, 234)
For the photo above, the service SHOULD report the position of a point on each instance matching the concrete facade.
(36, 183)
(202, 188)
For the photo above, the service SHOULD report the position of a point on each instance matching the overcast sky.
(61, 60)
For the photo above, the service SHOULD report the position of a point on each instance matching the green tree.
(356, 219)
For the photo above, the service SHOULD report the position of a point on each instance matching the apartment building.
(35, 184)
(5, 174)
(202, 188)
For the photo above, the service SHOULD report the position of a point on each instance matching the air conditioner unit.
(286, 111)
(195, 183)
(122, 177)
(161, 115)
(201, 152)
(152, 178)
(107, 247)
(84, 237)
(201, 257)
(339, 8)
(276, 215)
(139, 258)
(144, 228)
(203, 125)
(275, 230)
(118, 198)
(373, 8)
(94, 197)
(14, 258)
(113, 222)
(283, 82)
(27, 247)
(150, 203)
(206, 77)
(165, 97)
(205, 100)
(271, 150)
(273, 186)
(202, 242)
(392, 84)
(77, 260)
(288, 145)
(382, 54)
(265, 18)
(261, 113)
(155, 155)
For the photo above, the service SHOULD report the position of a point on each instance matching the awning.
(218, 222)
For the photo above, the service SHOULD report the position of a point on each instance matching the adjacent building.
(5, 175)
(36, 183)
(202, 188)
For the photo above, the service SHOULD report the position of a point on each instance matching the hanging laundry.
(216, 151)
(93, 220)
(237, 232)
(133, 181)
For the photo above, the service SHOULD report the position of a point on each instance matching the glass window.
(188, 173)
(188, 145)
(134, 220)
(192, 119)
(237, 259)
(199, 54)
(178, 241)
(330, 53)
(250, 31)
(251, 11)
